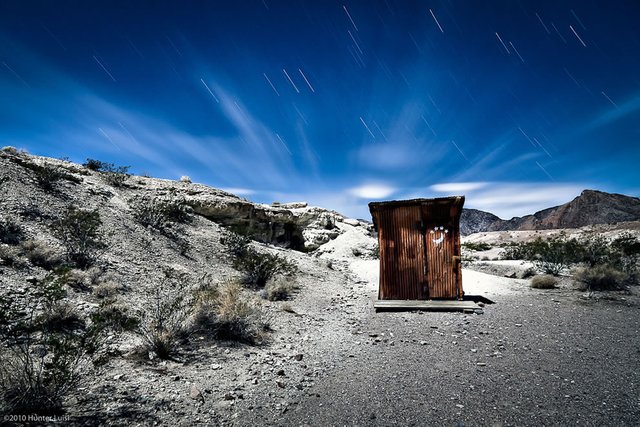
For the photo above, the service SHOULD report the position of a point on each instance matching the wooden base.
(428, 305)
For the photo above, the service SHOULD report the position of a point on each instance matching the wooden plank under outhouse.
(427, 305)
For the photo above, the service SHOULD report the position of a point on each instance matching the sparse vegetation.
(113, 175)
(45, 348)
(601, 278)
(164, 319)
(226, 313)
(160, 213)
(544, 281)
(114, 316)
(79, 232)
(550, 256)
(11, 232)
(476, 246)
(257, 268)
(279, 289)
(40, 254)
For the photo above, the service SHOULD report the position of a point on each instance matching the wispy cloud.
(458, 187)
(372, 191)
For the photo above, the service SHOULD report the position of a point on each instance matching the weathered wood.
(428, 305)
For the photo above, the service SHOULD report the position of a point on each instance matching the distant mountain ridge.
(589, 208)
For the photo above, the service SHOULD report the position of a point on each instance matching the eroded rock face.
(297, 226)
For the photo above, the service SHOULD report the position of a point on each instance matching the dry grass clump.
(107, 290)
(40, 254)
(279, 289)
(544, 281)
(224, 311)
(601, 278)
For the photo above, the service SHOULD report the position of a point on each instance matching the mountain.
(474, 221)
(589, 208)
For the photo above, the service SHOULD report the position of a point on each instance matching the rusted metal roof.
(419, 248)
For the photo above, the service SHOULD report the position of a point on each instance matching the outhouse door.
(441, 264)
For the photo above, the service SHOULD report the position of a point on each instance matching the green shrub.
(601, 278)
(258, 268)
(11, 233)
(79, 232)
(164, 319)
(550, 256)
(160, 213)
(226, 313)
(45, 348)
(94, 165)
(236, 244)
(111, 315)
(476, 246)
(544, 281)
(112, 174)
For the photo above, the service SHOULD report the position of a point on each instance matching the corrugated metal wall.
(419, 248)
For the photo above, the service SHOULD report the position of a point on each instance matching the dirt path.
(533, 358)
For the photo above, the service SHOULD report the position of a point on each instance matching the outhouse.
(419, 248)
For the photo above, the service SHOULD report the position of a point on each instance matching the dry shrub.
(80, 233)
(107, 290)
(41, 255)
(544, 281)
(601, 278)
(279, 289)
(225, 312)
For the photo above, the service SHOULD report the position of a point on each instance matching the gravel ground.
(532, 358)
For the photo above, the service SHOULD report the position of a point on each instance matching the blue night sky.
(519, 105)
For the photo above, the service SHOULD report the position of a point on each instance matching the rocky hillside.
(107, 247)
(589, 208)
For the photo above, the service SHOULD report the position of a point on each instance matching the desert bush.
(544, 281)
(45, 348)
(258, 268)
(47, 176)
(476, 246)
(94, 165)
(79, 232)
(114, 316)
(236, 244)
(41, 255)
(601, 278)
(185, 179)
(10, 150)
(224, 312)
(160, 213)
(112, 174)
(11, 233)
(550, 256)
(164, 319)
(279, 289)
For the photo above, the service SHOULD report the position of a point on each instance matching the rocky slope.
(207, 381)
(589, 208)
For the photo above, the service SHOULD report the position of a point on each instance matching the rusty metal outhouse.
(419, 248)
